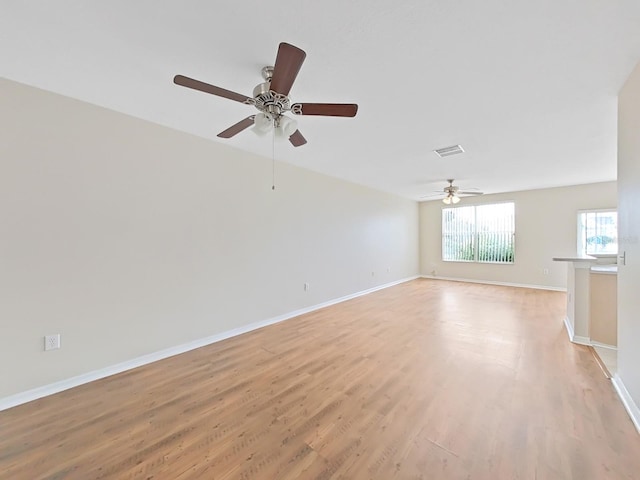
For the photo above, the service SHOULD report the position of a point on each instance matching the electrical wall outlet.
(52, 342)
(306, 287)
(545, 271)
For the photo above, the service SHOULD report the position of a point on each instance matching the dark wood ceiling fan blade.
(297, 139)
(288, 63)
(326, 109)
(237, 128)
(205, 87)
(470, 193)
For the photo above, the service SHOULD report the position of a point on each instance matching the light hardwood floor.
(424, 380)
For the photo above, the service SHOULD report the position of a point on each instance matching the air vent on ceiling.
(448, 151)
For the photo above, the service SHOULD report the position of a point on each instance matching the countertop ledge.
(575, 259)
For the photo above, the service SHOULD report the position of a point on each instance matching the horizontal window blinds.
(482, 233)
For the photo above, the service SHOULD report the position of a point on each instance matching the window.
(482, 233)
(598, 232)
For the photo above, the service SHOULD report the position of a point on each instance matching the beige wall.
(629, 233)
(545, 228)
(129, 238)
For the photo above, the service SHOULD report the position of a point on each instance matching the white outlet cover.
(52, 342)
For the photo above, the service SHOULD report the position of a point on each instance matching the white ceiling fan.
(452, 193)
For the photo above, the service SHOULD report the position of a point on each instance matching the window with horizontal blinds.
(479, 233)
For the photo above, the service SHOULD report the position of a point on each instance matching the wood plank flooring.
(425, 380)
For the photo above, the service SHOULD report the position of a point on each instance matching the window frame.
(579, 230)
(475, 233)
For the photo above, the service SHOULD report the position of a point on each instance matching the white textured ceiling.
(527, 87)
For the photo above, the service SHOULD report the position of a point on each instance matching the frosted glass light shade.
(285, 127)
(282, 126)
(288, 126)
(449, 199)
(262, 124)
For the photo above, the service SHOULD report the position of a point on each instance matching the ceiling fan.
(452, 193)
(271, 99)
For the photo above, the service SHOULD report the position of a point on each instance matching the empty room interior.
(320, 240)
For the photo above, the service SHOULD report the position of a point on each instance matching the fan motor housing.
(269, 101)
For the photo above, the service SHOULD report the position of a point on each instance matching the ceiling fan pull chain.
(273, 160)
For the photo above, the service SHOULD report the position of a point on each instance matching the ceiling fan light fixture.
(262, 124)
(451, 199)
(452, 193)
(286, 126)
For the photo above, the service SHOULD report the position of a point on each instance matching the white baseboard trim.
(627, 401)
(581, 340)
(491, 282)
(573, 337)
(59, 386)
(569, 328)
